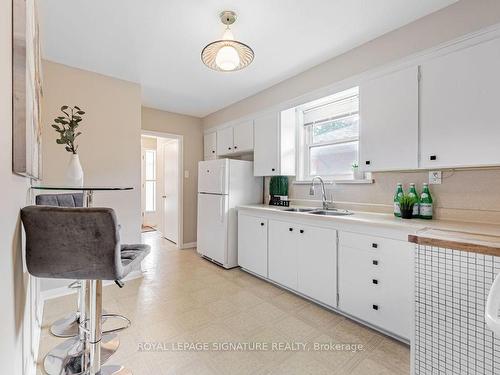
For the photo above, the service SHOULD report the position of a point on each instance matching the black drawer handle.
(235, 147)
(229, 148)
(301, 231)
(368, 162)
(375, 307)
(290, 229)
(433, 157)
(375, 281)
(374, 245)
(262, 224)
(375, 262)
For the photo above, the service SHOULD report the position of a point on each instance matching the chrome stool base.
(66, 327)
(67, 358)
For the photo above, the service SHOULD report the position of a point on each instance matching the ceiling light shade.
(227, 54)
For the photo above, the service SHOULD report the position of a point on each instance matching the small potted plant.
(66, 126)
(356, 173)
(406, 203)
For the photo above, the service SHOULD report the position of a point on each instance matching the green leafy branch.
(66, 127)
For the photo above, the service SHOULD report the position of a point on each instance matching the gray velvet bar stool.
(69, 325)
(84, 244)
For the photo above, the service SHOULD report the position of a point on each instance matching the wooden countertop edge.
(455, 245)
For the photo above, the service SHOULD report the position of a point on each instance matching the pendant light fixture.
(227, 54)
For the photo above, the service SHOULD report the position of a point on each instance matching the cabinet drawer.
(367, 242)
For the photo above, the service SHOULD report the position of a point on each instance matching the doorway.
(161, 186)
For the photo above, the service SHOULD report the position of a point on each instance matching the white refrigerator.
(223, 185)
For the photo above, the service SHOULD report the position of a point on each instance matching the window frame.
(305, 144)
(146, 180)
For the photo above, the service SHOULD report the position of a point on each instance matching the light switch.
(435, 178)
(186, 174)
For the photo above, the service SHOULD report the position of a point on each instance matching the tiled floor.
(184, 299)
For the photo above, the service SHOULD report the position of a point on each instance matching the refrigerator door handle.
(221, 210)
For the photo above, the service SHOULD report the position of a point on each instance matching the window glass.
(335, 159)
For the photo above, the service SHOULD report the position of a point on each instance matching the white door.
(213, 176)
(459, 108)
(267, 145)
(210, 146)
(283, 253)
(317, 263)
(243, 137)
(212, 226)
(225, 141)
(171, 190)
(389, 122)
(252, 244)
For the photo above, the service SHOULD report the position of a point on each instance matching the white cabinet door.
(225, 141)
(283, 253)
(252, 244)
(267, 145)
(210, 146)
(459, 108)
(389, 122)
(317, 264)
(243, 137)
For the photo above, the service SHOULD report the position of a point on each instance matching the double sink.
(316, 211)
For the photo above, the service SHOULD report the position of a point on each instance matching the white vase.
(74, 171)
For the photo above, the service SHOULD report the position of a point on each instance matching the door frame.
(180, 195)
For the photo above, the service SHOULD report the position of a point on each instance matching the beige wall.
(14, 197)
(454, 21)
(191, 130)
(109, 147)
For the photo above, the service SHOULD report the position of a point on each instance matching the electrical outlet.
(435, 178)
(186, 173)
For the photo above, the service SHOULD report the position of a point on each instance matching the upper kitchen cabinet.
(237, 139)
(389, 122)
(459, 108)
(274, 151)
(210, 146)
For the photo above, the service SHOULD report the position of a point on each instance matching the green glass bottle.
(426, 203)
(399, 193)
(413, 193)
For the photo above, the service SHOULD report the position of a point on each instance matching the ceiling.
(157, 43)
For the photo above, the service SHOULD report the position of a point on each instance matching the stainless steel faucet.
(323, 192)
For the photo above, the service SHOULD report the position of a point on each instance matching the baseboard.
(188, 245)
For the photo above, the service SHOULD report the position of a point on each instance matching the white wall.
(109, 148)
(14, 192)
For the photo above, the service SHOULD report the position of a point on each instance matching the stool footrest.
(127, 321)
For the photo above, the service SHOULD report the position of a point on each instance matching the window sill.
(339, 182)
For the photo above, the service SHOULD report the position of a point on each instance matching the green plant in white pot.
(356, 173)
(67, 126)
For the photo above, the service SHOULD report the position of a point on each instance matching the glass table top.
(80, 188)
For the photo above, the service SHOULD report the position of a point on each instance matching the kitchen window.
(150, 180)
(329, 136)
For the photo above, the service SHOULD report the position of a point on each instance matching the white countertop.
(386, 220)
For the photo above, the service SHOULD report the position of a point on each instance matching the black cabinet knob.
(290, 229)
(375, 307)
(374, 245)
(213, 151)
(368, 162)
(273, 169)
(208, 170)
(229, 148)
(375, 281)
(262, 224)
(375, 262)
(301, 231)
(433, 157)
(235, 147)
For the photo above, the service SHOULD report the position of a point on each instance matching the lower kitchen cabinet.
(252, 244)
(283, 253)
(317, 264)
(375, 281)
(303, 258)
